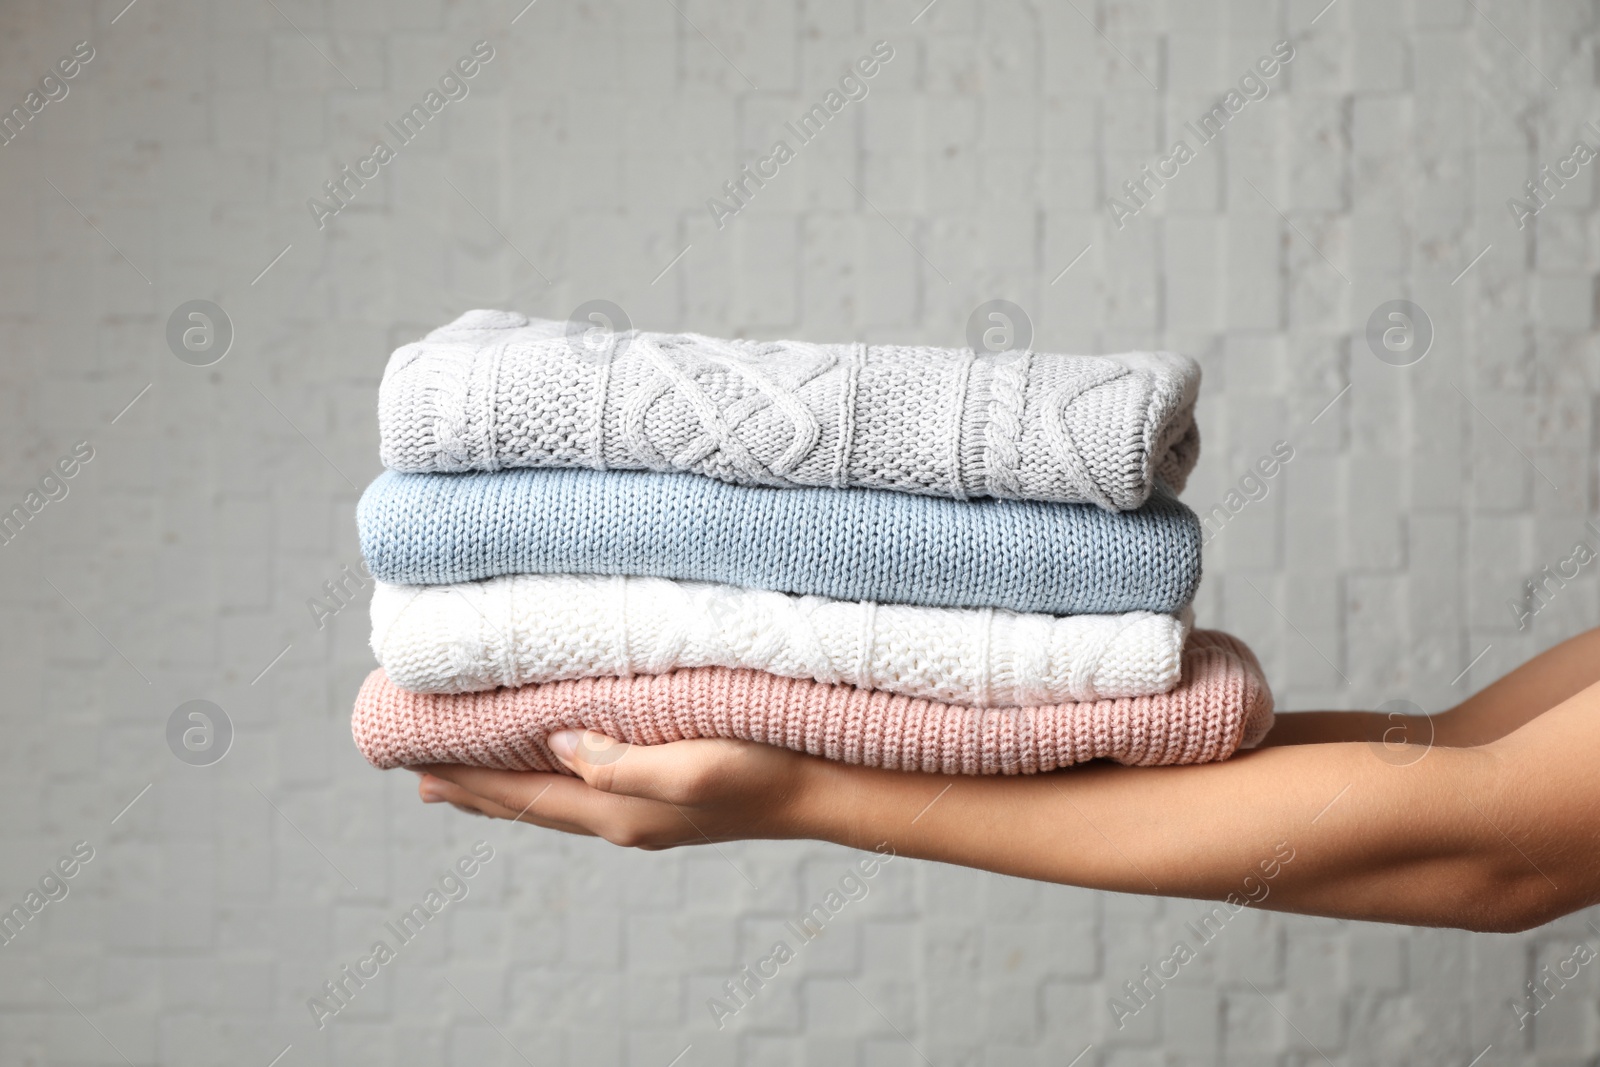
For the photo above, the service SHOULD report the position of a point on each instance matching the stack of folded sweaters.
(906, 557)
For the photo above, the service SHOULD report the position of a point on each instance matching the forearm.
(1549, 679)
(1368, 839)
(1459, 727)
(1494, 712)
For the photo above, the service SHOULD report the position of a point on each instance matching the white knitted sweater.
(497, 389)
(521, 629)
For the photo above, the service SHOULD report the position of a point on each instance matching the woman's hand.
(649, 797)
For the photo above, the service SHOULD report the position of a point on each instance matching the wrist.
(804, 810)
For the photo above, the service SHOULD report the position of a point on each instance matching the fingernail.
(564, 743)
(431, 791)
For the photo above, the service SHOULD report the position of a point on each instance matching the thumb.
(598, 760)
(670, 772)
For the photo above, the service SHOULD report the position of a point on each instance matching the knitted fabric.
(496, 389)
(525, 628)
(1222, 703)
(858, 544)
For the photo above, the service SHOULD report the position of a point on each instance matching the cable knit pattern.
(1221, 704)
(522, 629)
(856, 544)
(496, 389)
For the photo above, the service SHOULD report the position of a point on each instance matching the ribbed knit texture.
(859, 544)
(1221, 703)
(524, 628)
(496, 389)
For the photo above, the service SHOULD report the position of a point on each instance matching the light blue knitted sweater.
(851, 544)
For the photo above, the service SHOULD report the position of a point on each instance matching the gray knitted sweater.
(496, 389)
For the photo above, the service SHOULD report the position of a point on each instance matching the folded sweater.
(1221, 704)
(526, 628)
(860, 544)
(496, 389)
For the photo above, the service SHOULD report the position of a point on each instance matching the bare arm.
(1498, 837)
(1516, 699)
(1494, 837)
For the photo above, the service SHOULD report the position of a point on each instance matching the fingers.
(559, 803)
(515, 791)
(551, 800)
(436, 789)
(644, 796)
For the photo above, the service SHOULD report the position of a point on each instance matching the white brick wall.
(1378, 566)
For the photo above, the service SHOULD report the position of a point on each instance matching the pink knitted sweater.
(1220, 704)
